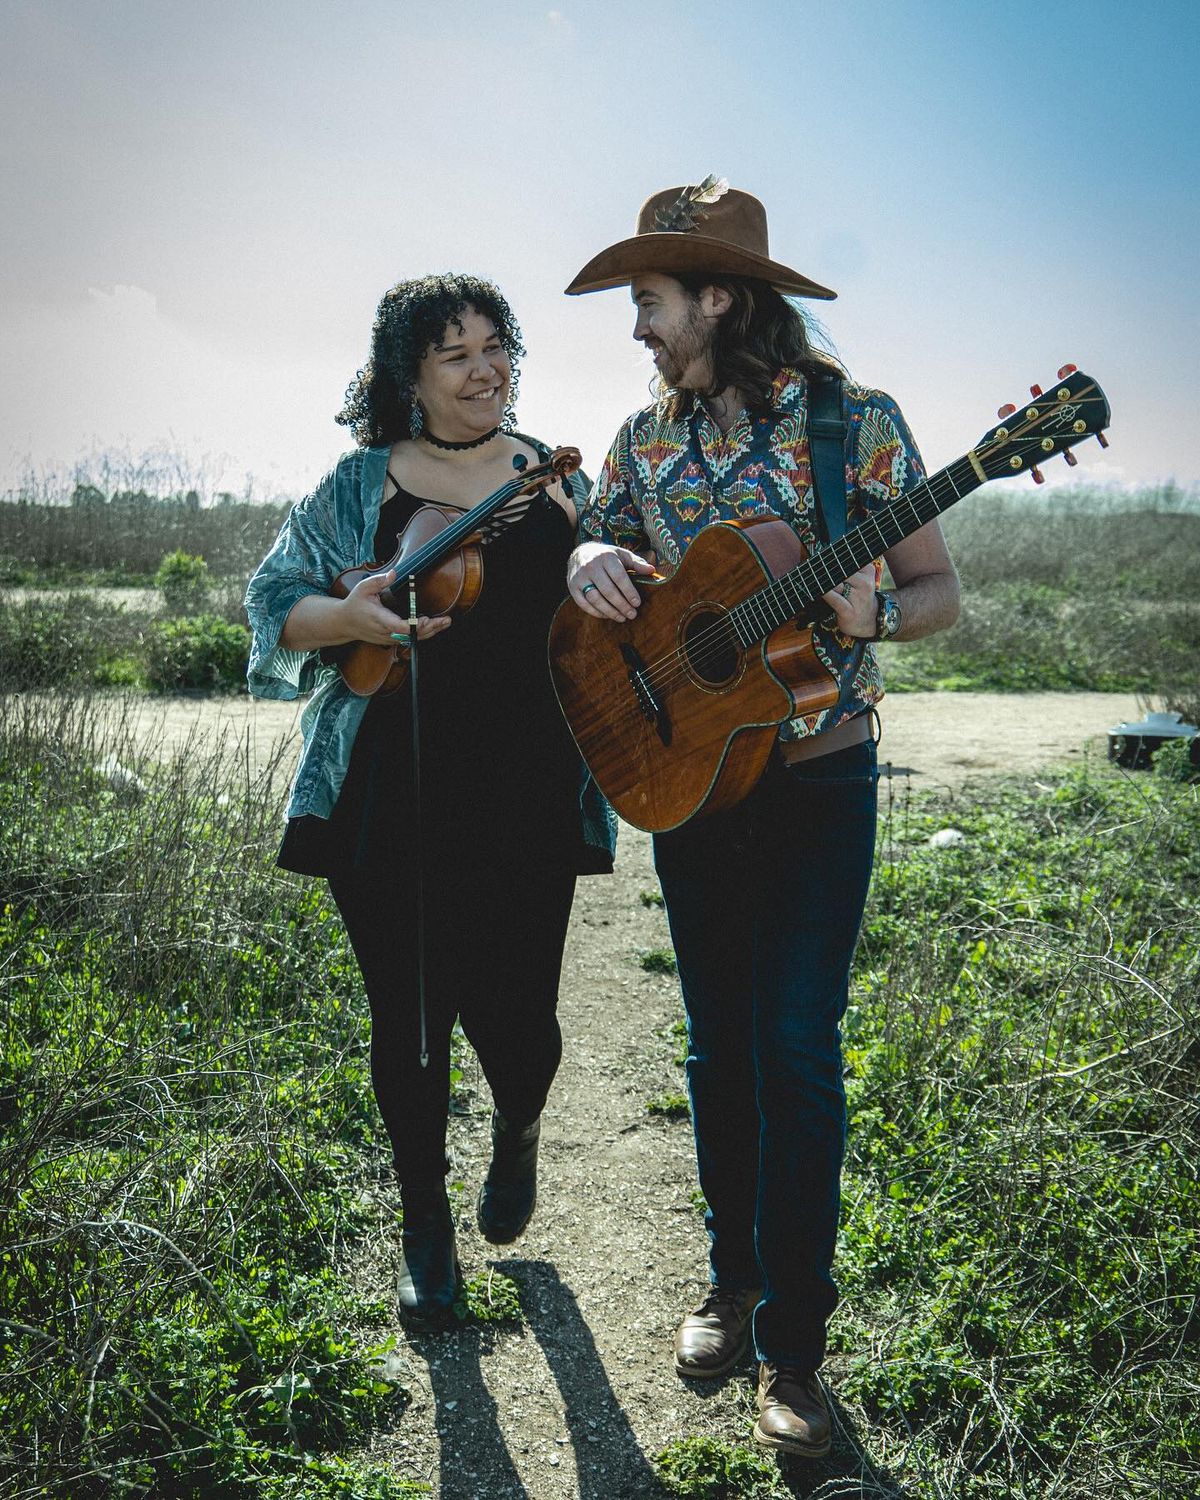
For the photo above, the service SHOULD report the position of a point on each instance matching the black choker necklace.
(458, 447)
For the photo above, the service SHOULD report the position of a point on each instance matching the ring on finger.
(586, 587)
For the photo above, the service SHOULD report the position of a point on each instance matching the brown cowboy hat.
(710, 227)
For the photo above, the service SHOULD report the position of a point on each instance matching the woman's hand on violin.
(365, 618)
(598, 580)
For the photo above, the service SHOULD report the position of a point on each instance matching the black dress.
(498, 765)
(500, 779)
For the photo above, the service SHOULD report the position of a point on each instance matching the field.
(200, 1235)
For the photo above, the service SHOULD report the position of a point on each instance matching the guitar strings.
(659, 676)
(781, 599)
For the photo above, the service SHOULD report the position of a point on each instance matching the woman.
(508, 817)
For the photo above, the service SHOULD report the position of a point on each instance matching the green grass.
(188, 1144)
(1022, 1211)
(187, 1138)
(1021, 1206)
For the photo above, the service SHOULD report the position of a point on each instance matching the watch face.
(887, 618)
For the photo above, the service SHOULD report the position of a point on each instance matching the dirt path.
(574, 1404)
(942, 739)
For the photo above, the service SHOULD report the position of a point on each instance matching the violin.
(443, 551)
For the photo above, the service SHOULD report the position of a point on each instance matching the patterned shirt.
(663, 481)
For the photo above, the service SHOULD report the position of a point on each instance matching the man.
(765, 898)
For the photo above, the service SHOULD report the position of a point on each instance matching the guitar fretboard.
(792, 593)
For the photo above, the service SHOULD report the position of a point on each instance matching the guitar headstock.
(1053, 421)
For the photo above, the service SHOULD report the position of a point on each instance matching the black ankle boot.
(509, 1192)
(430, 1279)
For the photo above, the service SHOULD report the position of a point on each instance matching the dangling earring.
(416, 418)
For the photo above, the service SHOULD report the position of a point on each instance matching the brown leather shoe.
(793, 1417)
(712, 1338)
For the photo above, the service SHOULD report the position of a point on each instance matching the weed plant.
(187, 1135)
(702, 1468)
(1139, 543)
(183, 582)
(81, 640)
(1077, 589)
(72, 641)
(198, 652)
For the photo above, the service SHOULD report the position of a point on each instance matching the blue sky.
(203, 203)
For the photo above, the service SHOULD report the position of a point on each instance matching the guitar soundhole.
(710, 648)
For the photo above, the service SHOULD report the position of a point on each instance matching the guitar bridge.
(652, 711)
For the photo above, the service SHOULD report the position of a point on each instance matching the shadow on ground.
(476, 1460)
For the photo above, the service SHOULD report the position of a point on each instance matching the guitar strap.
(827, 454)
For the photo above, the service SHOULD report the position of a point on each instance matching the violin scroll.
(561, 464)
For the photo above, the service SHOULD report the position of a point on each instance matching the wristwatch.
(887, 616)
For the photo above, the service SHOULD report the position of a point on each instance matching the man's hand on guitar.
(598, 580)
(853, 602)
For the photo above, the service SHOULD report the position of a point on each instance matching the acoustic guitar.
(676, 711)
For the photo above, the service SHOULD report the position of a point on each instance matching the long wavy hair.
(413, 315)
(760, 333)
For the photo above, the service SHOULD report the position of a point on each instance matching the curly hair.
(761, 333)
(413, 315)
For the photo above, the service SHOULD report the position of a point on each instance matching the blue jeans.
(764, 901)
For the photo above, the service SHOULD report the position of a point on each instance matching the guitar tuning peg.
(1069, 458)
(1035, 390)
(1006, 410)
(1038, 476)
(1067, 370)
(1102, 440)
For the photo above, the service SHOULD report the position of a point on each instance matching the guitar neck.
(794, 592)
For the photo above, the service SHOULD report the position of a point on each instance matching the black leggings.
(493, 955)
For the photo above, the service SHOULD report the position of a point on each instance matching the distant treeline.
(123, 536)
(1138, 542)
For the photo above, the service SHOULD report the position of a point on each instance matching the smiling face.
(674, 327)
(463, 379)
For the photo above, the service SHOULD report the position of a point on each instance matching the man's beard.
(690, 344)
